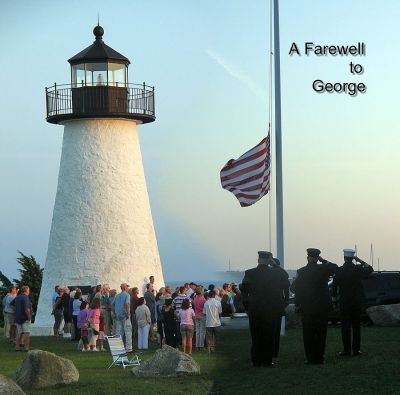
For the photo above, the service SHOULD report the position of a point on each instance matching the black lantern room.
(99, 88)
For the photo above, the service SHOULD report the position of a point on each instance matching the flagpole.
(278, 141)
(278, 148)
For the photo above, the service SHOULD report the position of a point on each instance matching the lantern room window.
(78, 75)
(99, 74)
(117, 74)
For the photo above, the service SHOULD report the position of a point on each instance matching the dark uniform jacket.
(264, 289)
(348, 282)
(312, 292)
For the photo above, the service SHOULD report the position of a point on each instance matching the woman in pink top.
(94, 322)
(200, 319)
(186, 316)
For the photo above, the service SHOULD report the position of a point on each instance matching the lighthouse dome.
(100, 88)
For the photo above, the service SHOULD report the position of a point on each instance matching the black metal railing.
(134, 101)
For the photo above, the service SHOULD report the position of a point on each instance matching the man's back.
(22, 308)
(178, 300)
(120, 301)
(312, 292)
(212, 310)
(349, 281)
(263, 290)
(7, 306)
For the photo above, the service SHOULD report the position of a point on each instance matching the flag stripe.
(244, 171)
(248, 177)
(244, 162)
(244, 179)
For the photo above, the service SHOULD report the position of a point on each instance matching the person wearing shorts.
(23, 311)
(212, 310)
(83, 327)
(9, 313)
(186, 316)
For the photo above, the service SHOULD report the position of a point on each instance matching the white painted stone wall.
(102, 229)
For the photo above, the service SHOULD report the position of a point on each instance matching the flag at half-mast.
(248, 177)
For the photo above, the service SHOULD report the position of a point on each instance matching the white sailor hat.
(349, 252)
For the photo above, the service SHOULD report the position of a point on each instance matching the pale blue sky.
(208, 61)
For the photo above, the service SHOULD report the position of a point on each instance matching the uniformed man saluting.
(312, 300)
(348, 286)
(285, 297)
(262, 290)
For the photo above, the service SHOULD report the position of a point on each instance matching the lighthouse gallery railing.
(70, 101)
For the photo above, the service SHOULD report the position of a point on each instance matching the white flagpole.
(278, 140)
(278, 147)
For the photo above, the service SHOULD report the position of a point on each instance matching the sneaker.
(103, 349)
(84, 350)
(94, 349)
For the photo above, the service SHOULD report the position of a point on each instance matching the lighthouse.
(102, 229)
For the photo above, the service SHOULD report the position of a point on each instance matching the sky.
(209, 64)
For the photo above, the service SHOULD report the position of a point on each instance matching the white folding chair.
(118, 353)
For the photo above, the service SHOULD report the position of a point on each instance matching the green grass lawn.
(228, 370)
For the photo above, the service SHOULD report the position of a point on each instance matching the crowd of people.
(17, 309)
(189, 314)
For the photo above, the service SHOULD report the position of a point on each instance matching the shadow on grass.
(374, 372)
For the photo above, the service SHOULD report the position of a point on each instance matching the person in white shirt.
(212, 309)
(9, 312)
(190, 291)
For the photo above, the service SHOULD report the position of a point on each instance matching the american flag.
(248, 176)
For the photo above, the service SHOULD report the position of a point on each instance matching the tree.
(31, 275)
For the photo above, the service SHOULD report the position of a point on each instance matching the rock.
(9, 387)
(293, 320)
(41, 369)
(385, 315)
(167, 362)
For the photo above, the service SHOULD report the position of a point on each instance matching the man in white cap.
(348, 286)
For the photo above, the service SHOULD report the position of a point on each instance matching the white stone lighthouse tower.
(102, 229)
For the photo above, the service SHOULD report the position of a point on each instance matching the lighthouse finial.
(98, 31)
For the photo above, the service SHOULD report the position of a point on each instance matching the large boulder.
(293, 319)
(9, 387)
(42, 369)
(385, 315)
(167, 362)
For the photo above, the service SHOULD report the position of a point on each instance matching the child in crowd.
(83, 327)
(186, 317)
(102, 327)
(94, 323)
